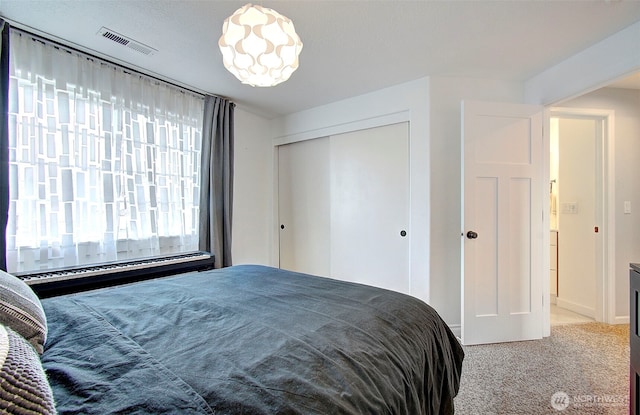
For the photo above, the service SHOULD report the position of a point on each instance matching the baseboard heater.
(48, 283)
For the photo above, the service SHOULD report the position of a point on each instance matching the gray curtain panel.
(216, 187)
(4, 141)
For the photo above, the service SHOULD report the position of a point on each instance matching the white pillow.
(21, 310)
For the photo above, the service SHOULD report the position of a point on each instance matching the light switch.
(570, 208)
(627, 207)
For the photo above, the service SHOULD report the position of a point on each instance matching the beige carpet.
(585, 367)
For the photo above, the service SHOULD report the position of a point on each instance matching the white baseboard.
(576, 308)
(621, 320)
(456, 329)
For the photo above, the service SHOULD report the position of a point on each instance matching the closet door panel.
(303, 206)
(369, 187)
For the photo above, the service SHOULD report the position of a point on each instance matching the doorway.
(580, 202)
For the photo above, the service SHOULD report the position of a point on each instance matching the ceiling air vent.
(125, 41)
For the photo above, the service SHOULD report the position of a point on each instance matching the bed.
(248, 339)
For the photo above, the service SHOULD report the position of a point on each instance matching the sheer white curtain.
(104, 164)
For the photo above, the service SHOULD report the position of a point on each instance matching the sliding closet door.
(303, 206)
(370, 207)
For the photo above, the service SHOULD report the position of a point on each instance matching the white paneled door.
(344, 206)
(502, 269)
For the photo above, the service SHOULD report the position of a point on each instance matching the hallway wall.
(626, 104)
(577, 240)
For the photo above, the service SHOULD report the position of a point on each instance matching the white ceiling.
(350, 47)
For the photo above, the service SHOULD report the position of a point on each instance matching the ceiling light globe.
(259, 46)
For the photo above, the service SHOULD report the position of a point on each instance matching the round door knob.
(281, 226)
(403, 233)
(472, 235)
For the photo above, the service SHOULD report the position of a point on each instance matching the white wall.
(587, 71)
(577, 241)
(432, 106)
(404, 102)
(626, 104)
(253, 184)
(593, 68)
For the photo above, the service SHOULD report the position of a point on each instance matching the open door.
(502, 224)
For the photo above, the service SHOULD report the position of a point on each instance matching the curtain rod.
(91, 54)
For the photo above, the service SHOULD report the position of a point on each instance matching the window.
(104, 163)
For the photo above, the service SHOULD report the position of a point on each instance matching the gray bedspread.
(249, 340)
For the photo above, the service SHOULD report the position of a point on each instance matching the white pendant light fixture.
(259, 46)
